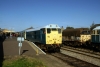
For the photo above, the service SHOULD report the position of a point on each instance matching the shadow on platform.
(24, 51)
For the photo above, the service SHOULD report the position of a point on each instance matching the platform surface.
(10, 47)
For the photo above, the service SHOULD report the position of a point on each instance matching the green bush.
(23, 62)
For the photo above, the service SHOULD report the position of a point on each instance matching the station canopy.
(6, 30)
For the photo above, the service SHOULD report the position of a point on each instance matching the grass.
(23, 61)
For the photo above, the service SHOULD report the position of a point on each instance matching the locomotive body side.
(33, 35)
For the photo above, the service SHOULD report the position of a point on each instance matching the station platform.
(11, 48)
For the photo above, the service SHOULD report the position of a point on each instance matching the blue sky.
(21, 14)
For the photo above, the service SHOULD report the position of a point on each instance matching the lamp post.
(11, 33)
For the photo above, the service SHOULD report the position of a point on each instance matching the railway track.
(72, 61)
(82, 50)
(86, 56)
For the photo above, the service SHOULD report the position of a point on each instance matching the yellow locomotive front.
(85, 37)
(54, 36)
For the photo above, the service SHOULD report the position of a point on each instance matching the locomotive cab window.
(59, 30)
(48, 30)
(88, 32)
(84, 32)
(54, 29)
(98, 31)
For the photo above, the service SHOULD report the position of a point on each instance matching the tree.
(68, 27)
(92, 24)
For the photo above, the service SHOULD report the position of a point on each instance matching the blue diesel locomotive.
(48, 37)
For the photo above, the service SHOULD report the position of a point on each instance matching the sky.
(21, 14)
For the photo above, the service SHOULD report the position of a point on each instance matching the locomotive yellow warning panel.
(85, 36)
(54, 36)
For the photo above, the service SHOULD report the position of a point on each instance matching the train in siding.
(95, 37)
(76, 37)
(48, 38)
(88, 38)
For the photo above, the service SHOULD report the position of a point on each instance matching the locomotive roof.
(97, 28)
(47, 26)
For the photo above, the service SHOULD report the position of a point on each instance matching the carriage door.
(43, 35)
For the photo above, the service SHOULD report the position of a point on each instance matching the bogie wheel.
(57, 49)
(50, 50)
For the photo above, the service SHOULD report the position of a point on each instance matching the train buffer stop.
(11, 47)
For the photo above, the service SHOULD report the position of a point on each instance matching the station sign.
(20, 38)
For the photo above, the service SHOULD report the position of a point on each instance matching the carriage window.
(54, 29)
(34, 32)
(37, 32)
(98, 31)
(94, 32)
(43, 30)
(48, 30)
(59, 30)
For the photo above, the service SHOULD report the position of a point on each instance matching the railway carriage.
(48, 37)
(95, 37)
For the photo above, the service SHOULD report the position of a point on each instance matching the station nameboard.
(20, 38)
